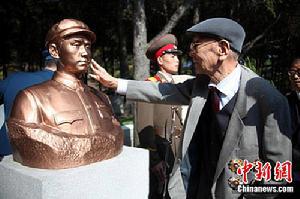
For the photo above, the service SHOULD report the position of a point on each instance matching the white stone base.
(123, 177)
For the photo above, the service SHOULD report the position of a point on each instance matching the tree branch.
(174, 18)
(251, 43)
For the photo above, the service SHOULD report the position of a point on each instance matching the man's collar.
(68, 80)
(165, 77)
(230, 84)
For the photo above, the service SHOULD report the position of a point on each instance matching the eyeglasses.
(195, 45)
(292, 73)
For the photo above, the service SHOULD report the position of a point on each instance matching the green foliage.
(126, 120)
(251, 63)
(271, 6)
(24, 24)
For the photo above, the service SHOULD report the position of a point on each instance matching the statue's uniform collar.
(68, 80)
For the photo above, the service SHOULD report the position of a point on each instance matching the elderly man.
(63, 123)
(234, 117)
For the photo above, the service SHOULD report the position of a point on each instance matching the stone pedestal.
(125, 176)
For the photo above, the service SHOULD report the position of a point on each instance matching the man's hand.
(102, 76)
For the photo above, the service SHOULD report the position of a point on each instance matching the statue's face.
(75, 53)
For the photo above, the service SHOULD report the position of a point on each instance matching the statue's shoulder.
(41, 87)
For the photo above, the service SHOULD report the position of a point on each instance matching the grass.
(126, 120)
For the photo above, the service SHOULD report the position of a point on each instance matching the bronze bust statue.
(63, 123)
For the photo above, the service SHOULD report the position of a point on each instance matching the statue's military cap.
(68, 27)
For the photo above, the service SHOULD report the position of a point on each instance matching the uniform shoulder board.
(153, 79)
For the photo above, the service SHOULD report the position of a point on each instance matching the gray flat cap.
(222, 28)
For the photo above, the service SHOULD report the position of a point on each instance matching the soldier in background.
(160, 126)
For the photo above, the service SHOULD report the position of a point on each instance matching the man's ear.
(224, 48)
(159, 60)
(53, 50)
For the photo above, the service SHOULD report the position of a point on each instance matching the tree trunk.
(124, 71)
(140, 61)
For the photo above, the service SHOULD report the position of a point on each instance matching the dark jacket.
(9, 88)
(294, 104)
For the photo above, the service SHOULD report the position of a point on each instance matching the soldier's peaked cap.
(161, 42)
